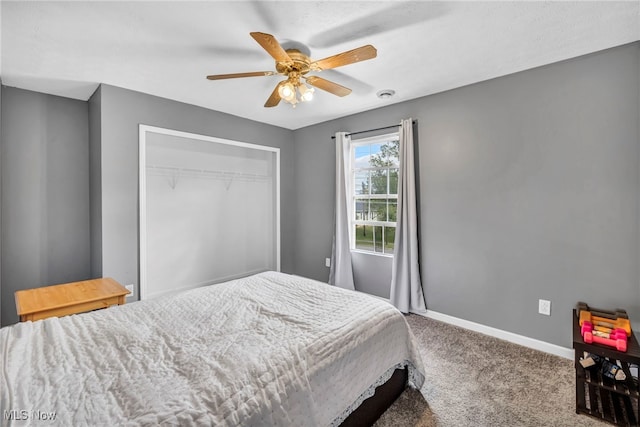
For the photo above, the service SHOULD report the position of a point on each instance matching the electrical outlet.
(327, 262)
(131, 288)
(544, 307)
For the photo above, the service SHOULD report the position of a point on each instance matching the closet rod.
(373, 130)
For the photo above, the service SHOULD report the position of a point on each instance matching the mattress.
(267, 350)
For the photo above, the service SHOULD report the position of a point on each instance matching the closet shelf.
(227, 176)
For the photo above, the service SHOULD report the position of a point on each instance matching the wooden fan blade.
(274, 99)
(345, 58)
(237, 75)
(271, 45)
(329, 86)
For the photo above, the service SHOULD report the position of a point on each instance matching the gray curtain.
(341, 273)
(406, 287)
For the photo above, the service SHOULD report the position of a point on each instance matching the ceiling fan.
(295, 65)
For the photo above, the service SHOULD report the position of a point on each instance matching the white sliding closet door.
(209, 210)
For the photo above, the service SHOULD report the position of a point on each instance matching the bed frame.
(372, 408)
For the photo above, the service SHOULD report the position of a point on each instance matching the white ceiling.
(167, 48)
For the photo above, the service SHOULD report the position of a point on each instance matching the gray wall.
(0, 199)
(530, 189)
(372, 274)
(95, 181)
(121, 111)
(44, 193)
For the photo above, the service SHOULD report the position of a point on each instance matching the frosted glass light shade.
(306, 93)
(287, 91)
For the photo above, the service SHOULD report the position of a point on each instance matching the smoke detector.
(385, 93)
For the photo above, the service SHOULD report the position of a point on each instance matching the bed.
(268, 350)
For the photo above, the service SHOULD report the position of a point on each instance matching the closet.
(209, 210)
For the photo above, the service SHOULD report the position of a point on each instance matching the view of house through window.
(374, 174)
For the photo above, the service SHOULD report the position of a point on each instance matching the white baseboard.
(533, 343)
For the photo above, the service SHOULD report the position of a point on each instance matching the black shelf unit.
(603, 398)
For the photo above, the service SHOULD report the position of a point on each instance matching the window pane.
(377, 238)
(391, 153)
(363, 209)
(362, 151)
(389, 239)
(377, 156)
(378, 210)
(364, 237)
(361, 182)
(393, 181)
(379, 182)
(361, 156)
(384, 154)
(393, 210)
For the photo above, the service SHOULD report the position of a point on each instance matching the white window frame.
(355, 197)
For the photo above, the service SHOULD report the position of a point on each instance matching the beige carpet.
(476, 380)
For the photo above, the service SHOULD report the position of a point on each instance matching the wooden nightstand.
(69, 298)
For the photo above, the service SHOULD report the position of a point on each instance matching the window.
(374, 173)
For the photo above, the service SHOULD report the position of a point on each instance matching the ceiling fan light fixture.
(287, 91)
(306, 92)
(295, 64)
(289, 94)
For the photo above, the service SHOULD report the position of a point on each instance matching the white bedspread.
(268, 350)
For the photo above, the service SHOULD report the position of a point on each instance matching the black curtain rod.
(373, 130)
